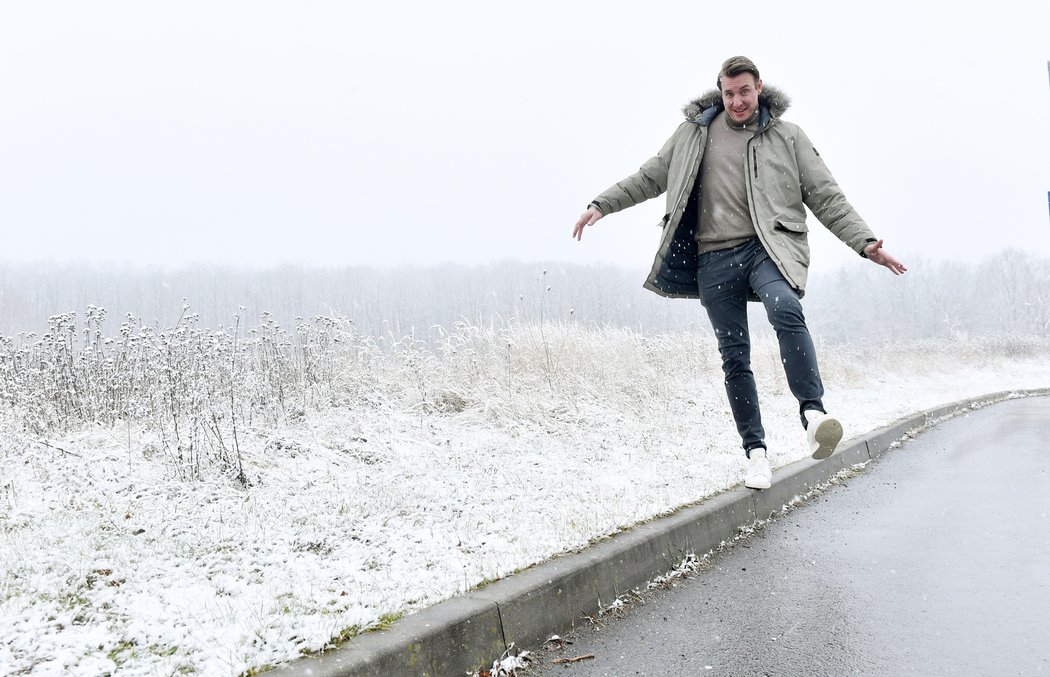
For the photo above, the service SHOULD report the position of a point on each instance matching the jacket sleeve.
(649, 181)
(825, 199)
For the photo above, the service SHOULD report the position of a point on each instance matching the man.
(738, 179)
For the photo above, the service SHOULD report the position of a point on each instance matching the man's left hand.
(875, 253)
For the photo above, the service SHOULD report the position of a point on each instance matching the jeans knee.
(736, 360)
(785, 312)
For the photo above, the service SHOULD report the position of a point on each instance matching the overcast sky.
(256, 133)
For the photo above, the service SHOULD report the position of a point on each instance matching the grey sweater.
(725, 219)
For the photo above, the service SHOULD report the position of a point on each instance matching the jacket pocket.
(792, 246)
(792, 226)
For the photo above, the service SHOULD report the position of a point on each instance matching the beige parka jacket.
(785, 174)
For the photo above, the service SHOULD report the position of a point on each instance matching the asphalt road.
(933, 561)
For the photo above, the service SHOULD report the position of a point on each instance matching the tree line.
(1006, 293)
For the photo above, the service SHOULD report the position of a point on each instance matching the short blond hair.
(736, 65)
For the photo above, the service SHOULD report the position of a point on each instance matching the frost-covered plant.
(195, 386)
(200, 390)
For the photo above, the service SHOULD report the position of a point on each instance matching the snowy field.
(402, 478)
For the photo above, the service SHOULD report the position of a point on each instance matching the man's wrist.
(864, 249)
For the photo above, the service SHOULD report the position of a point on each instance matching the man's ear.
(758, 86)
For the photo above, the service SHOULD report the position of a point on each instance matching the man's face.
(740, 96)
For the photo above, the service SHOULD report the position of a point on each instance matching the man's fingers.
(577, 230)
(589, 218)
(894, 265)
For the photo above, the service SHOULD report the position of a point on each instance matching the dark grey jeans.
(725, 277)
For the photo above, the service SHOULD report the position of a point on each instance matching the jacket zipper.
(751, 205)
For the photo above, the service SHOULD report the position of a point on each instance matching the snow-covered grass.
(338, 483)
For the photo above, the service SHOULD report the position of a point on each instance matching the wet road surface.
(933, 561)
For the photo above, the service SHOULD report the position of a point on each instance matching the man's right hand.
(589, 218)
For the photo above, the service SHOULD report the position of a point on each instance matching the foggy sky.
(327, 133)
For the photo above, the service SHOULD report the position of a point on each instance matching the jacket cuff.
(596, 206)
(866, 243)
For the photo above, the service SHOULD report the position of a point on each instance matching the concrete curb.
(469, 632)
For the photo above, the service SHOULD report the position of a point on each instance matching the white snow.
(513, 447)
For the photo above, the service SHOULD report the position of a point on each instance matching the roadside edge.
(469, 631)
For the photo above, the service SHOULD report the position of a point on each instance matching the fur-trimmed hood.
(704, 109)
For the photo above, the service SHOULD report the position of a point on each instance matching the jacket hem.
(666, 294)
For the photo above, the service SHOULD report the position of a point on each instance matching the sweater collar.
(751, 123)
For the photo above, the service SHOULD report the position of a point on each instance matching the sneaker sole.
(826, 438)
(757, 484)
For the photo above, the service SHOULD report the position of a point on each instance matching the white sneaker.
(824, 432)
(759, 472)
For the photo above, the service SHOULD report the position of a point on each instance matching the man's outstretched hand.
(589, 218)
(875, 253)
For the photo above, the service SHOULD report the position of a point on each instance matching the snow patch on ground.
(354, 516)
